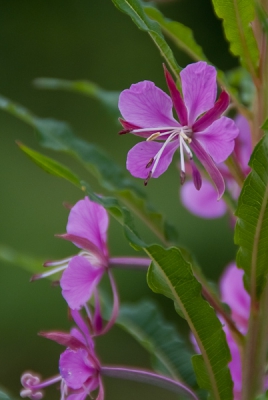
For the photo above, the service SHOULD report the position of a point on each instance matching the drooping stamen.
(187, 149)
(48, 273)
(160, 152)
(197, 179)
(150, 163)
(148, 178)
(115, 309)
(182, 177)
(182, 159)
(63, 261)
(97, 319)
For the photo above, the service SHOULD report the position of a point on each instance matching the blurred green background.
(83, 39)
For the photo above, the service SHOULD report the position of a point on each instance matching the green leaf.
(109, 99)
(4, 395)
(237, 18)
(26, 262)
(59, 136)
(50, 166)
(170, 354)
(135, 10)
(265, 125)
(180, 34)
(170, 275)
(251, 232)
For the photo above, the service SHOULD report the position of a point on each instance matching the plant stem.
(148, 377)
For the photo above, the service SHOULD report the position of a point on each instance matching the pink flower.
(204, 203)
(147, 112)
(78, 365)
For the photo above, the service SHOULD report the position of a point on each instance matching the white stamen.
(182, 154)
(160, 152)
(153, 136)
(53, 271)
(187, 149)
(160, 128)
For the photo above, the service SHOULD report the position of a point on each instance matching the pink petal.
(210, 166)
(203, 202)
(77, 396)
(218, 138)
(145, 105)
(235, 364)
(74, 367)
(89, 220)
(199, 89)
(78, 281)
(213, 114)
(85, 333)
(235, 295)
(65, 339)
(141, 154)
(176, 98)
(243, 143)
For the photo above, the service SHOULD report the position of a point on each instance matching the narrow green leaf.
(50, 166)
(180, 34)
(135, 10)
(265, 125)
(59, 136)
(109, 99)
(237, 17)
(26, 262)
(4, 395)
(251, 232)
(170, 354)
(170, 275)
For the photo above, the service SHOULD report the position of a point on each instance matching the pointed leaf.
(28, 263)
(171, 275)
(237, 18)
(180, 34)
(265, 125)
(109, 99)
(135, 10)
(169, 351)
(251, 232)
(50, 166)
(58, 136)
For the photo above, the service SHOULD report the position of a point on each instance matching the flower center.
(183, 134)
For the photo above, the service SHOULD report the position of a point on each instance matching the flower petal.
(179, 105)
(74, 367)
(89, 220)
(141, 154)
(210, 166)
(199, 89)
(235, 295)
(78, 281)
(218, 138)
(77, 396)
(213, 114)
(243, 143)
(65, 339)
(147, 106)
(202, 203)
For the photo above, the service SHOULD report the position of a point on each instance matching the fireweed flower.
(204, 203)
(87, 229)
(78, 365)
(147, 112)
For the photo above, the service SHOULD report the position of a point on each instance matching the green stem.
(256, 348)
(235, 170)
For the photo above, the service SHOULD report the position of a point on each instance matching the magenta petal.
(218, 138)
(78, 281)
(202, 203)
(128, 127)
(74, 367)
(145, 105)
(243, 142)
(77, 396)
(141, 154)
(65, 339)
(213, 114)
(89, 220)
(235, 295)
(199, 89)
(179, 105)
(210, 166)
(85, 333)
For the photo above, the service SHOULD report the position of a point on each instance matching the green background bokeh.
(92, 40)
